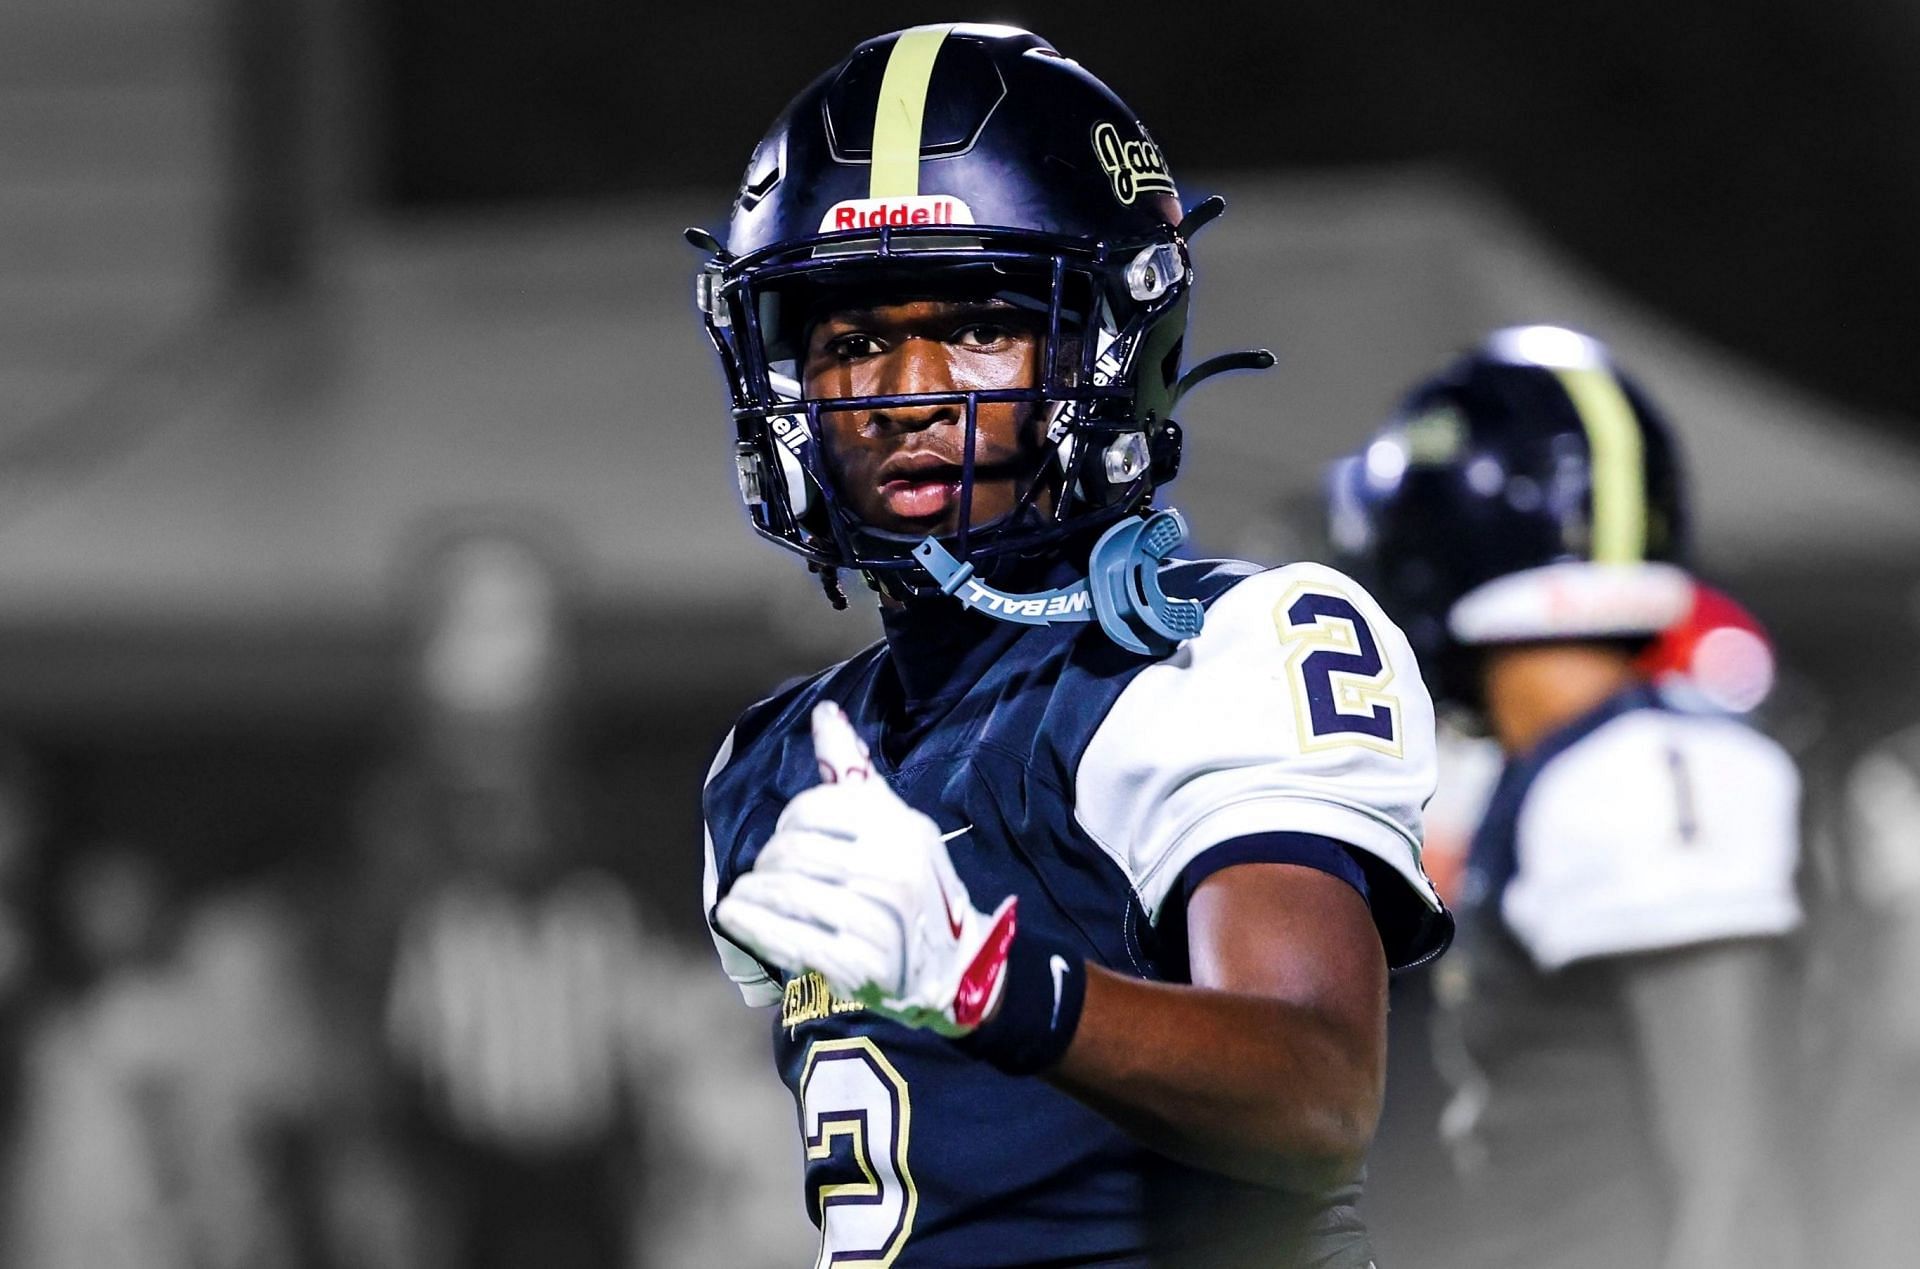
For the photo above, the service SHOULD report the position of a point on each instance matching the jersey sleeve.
(755, 985)
(1658, 831)
(1297, 713)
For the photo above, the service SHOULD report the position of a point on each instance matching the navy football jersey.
(1101, 788)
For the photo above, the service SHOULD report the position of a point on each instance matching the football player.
(1078, 892)
(1634, 869)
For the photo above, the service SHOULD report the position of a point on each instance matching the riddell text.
(938, 212)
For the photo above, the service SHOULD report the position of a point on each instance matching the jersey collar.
(939, 649)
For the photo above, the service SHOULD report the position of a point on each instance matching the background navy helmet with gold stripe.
(1530, 491)
(948, 159)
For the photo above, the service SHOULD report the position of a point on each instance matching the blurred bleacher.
(110, 194)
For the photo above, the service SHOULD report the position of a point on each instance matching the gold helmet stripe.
(903, 101)
(1619, 464)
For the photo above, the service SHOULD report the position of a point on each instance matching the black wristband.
(1046, 985)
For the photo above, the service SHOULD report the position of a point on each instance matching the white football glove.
(857, 885)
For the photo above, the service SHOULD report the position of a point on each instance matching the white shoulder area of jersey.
(746, 973)
(1297, 709)
(1659, 830)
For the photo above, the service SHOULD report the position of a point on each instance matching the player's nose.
(915, 366)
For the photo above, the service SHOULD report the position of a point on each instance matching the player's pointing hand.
(857, 885)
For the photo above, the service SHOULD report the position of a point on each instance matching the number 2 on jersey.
(1338, 676)
(856, 1116)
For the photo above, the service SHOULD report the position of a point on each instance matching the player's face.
(899, 467)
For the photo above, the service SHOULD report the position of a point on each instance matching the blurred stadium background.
(294, 291)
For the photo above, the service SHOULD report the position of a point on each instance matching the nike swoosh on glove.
(857, 886)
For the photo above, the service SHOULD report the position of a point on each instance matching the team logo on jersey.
(808, 998)
(911, 209)
(1132, 166)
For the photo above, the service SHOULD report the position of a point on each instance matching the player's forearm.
(1250, 1086)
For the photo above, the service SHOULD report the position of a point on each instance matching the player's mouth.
(925, 488)
(927, 495)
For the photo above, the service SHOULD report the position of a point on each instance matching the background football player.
(1633, 871)
(1078, 892)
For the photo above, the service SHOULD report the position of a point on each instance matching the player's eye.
(852, 346)
(981, 335)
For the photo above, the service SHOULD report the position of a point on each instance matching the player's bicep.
(1293, 933)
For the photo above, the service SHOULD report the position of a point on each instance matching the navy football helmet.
(1530, 491)
(959, 159)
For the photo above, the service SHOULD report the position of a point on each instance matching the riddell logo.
(917, 209)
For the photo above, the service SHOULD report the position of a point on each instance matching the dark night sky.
(1751, 172)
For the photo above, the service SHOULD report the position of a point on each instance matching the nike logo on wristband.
(1058, 964)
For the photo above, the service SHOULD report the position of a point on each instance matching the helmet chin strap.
(1121, 590)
